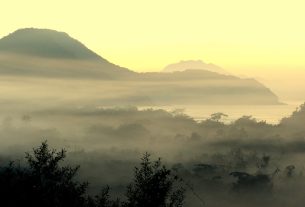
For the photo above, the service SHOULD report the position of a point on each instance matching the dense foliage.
(43, 181)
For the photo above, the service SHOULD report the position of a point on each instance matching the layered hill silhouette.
(44, 53)
(194, 64)
(46, 43)
(48, 53)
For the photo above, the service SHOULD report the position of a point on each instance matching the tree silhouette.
(103, 200)
(154, 186)
(42, 182)
(217, 116)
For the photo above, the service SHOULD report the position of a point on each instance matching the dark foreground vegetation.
(42, 181)
(245, 163)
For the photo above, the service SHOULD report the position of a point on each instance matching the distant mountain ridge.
(45, 43)
(35, 47)
(194, 65)
(45, 53)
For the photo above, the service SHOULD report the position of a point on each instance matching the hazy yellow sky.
(239, 35)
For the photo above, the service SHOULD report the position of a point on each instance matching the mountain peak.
(45, 43)
(194, 64)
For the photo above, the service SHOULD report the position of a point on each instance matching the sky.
(257, 38)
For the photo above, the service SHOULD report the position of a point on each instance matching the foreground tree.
(42, 181)
(154, 186)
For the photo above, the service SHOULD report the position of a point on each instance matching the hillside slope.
(43, 53)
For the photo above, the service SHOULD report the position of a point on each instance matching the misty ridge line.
(42, 53)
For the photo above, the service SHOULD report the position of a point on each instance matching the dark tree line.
(43, 181)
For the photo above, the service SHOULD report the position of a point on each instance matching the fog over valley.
(223, 140)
